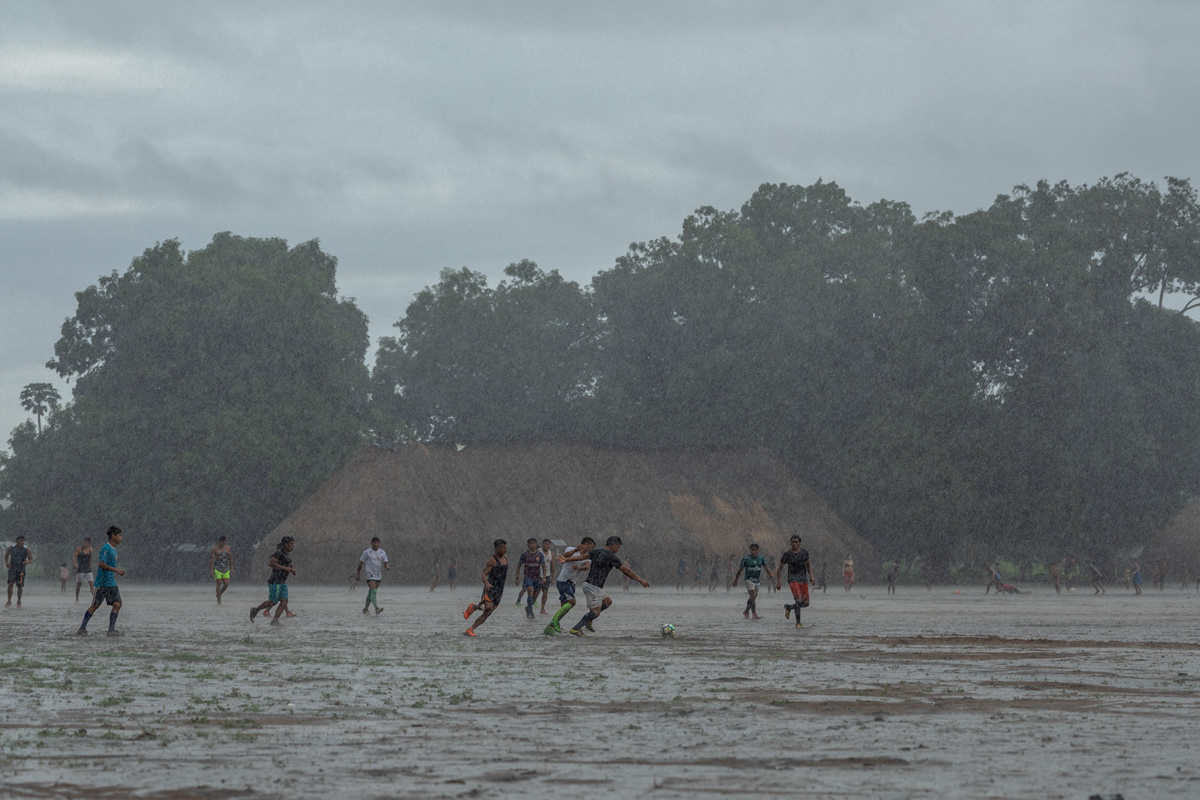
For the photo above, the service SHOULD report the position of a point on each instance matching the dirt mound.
(430, 504)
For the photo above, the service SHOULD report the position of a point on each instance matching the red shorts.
(799, 592)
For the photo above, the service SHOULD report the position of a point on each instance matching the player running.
(106, 583)
(277, 591)
(376, 561)
(495, 573)
(16, 557)
(220, 564)
(547, 570)
(604, 561)
(753, 564)
(799, 576)
(566, 583)
(529, 565)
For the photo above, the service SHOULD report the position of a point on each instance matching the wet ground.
(922, 694)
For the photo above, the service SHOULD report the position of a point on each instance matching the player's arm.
(736, 575)
(625, 569)
(576, 556)
(212, 558)
(7, 553)
(231, 559)
(388, 567)
(28, 555)
(779, 575)
(358, 570)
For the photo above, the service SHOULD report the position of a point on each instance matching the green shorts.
(278, 592)
(221, 576)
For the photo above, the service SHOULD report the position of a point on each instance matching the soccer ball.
(668, 631)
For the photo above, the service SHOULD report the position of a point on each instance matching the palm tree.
(40, 399)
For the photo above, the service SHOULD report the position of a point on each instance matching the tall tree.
(40, 399)
(212, 392)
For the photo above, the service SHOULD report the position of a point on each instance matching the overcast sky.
(409, 137)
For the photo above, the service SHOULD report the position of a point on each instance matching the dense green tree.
(475, 364)
(212, 392)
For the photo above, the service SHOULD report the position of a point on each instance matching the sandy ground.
(922, 694)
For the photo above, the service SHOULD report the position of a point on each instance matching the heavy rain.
(354, 451)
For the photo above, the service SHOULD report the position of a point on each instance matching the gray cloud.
(410, 137)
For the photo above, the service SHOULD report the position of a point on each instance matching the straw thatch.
(1178, 544)
(432, 503)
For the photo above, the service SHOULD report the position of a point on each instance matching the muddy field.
(922, 694)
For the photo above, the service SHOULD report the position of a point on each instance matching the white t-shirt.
(573, 569)
(547, 564)
(374, 561)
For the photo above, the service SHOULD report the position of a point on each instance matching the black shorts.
(106, 594)
(16, 575)
(493, 594)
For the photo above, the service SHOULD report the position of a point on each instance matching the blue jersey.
(106, 577)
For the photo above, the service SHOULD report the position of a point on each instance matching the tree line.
(1006, 382)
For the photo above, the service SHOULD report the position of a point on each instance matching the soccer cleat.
(588, 625)
(378, 610)
(798, 625)
(578, 632)
(518, 601)
(366, 611)
(470, 610)
(787, 612)
(82, 632)
(549, 630)
(114, 632)
(470, 632)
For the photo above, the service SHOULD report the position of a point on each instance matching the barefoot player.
(753, 564)
(277, 592)
(799, 577)
(220, 565)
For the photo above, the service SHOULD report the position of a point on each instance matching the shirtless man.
(220, 564)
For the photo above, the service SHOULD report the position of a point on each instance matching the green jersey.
(753, 566)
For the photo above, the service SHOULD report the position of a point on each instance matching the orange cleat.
(470, 610)
(470, 632)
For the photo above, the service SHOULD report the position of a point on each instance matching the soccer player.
(799, 576)
(220, 564)
(83, 567)
(495, 573)
(892, 573)
(847, 573)
(566, 583)
(753, 564)
(16, 557)
(376, 561)
(106, 583)
(63, 577)
(604, 561)
(547, 570)
(452, 574)
(529, 565)
(277, 592)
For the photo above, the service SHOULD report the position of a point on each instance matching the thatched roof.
(431, 503)
(1178, 544)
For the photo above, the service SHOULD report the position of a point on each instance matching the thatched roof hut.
(1178, 544)
(432, 503)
